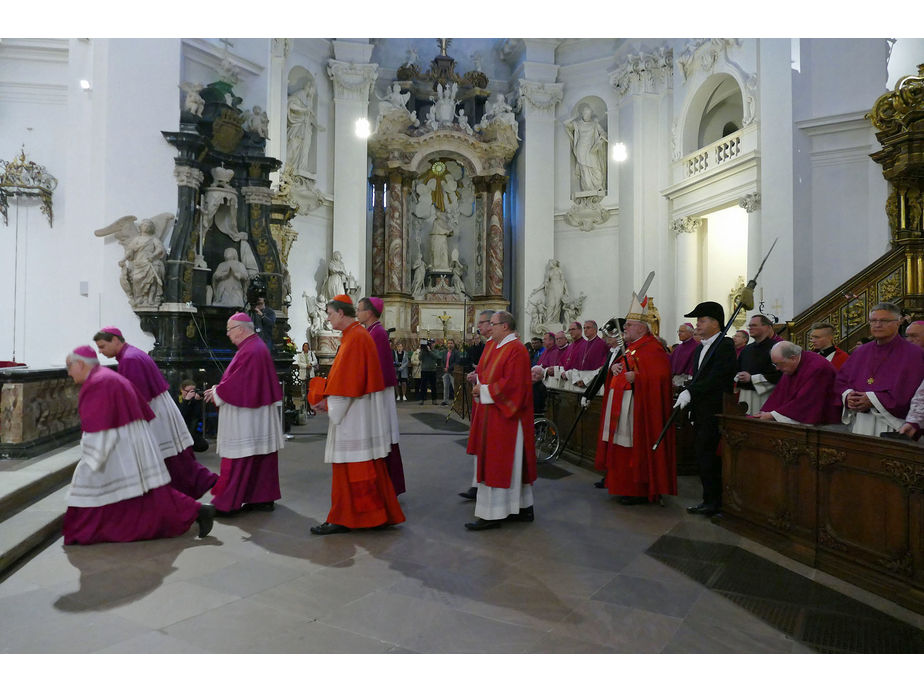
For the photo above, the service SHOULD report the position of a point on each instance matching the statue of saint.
(458, 271)
(229, 283)
(301, 122)
(144, 262)
(336, 282)
(439, 242)
(588, 144)
(555, 291)
(418, 277)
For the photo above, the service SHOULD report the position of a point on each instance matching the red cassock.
(639, 471)
(506, 372)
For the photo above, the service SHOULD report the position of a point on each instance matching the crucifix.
(445, 318)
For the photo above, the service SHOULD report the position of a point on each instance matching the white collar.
(708, 342)
(509, 338)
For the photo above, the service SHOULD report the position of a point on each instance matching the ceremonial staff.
(621, 352)
(746, 301)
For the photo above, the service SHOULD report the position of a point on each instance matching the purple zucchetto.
(240, 317)
(85, 354)
(378, 304)
(113, 331)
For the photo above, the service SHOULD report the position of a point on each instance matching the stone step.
(20, 488)
(31, 528)
(32, 504)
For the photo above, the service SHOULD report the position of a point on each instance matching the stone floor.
(588, 576)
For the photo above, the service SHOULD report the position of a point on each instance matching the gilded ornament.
(890, 287)
(227, 131)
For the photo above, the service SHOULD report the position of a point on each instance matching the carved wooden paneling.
(865, 496)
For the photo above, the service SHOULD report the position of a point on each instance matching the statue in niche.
(458, 271)
(337, 277)
(229, 283)
(439, 242)
(555, 289)
(588, 145)
(194, 103)
(257, 122)
(418, 277)
(301, 122)
(142, 267)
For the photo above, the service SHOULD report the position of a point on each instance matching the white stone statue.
(418, 277)
(411, 57)
(588, 145)
(458, 271)
(555, 289)
(394, 99)
(393, 110)
(301, 122)
(229, 282)
(142, 268)
(500, 110)
(317, 315)
(258, 122)
(194, 103)
(462, 120)
(443, 111)
(337, 277)
(439, 242)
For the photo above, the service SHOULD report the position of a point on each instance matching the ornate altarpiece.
(438, 199)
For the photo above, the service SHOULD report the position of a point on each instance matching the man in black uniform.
(712, 378)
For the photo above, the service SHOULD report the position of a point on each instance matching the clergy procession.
(138, 477)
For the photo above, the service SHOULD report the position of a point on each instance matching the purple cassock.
(682, 357)
(250, 431)
(551, 357)
(806, 395)
(889, 373)
(393, 460)
(170, 432)
(574, 352)
(595, 354)
(108, 405)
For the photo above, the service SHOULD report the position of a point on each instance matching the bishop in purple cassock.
(368, 311)
(803, 394)
(682, 355)
(168, 427)
(875, 385)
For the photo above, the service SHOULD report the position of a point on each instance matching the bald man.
(915, 333)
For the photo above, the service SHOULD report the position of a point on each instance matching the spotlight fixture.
(362, 128)
(85, 84)
(620, 153)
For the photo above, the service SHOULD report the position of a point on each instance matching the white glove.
(683, 399)
(584, 403)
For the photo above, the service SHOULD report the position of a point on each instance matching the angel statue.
(142, 268)
(194, 103)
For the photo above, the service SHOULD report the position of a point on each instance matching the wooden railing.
(850, 505)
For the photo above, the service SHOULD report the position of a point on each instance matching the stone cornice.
(644, 73)
(257, 195)
(351, 80)
(44, 50)
(541, 96)
(207, 53)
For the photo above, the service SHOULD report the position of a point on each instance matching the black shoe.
(443, 404)
(227, 513)
(480, 524)
(633, 500)
(525, 515)
(205, 519)
(706, 509)
(265, 507)
(470, 494)
(328, 528)
(601, 483)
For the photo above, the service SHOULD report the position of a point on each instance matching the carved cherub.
(194, 103)
(258, 122)
(142, 267)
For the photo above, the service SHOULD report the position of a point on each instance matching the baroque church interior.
(547, 177)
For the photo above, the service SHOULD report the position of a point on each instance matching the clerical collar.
(827, 350)
(509, 338)
(591, 339)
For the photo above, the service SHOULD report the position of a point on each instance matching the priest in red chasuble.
(359, 436)
(636, 405)
(502, 435)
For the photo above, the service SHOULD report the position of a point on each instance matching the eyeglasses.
(495, 323)
(481, 322)
(878, 321)
(228, 331)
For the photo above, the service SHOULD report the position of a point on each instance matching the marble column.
(538, 101)
(276, 101)
(378, 234)
(688, 282)
(494, 238)
(751, 204)
(352, 84)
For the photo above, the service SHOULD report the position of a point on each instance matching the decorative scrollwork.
(734, 438)
(789, 450)
(903, 565)
(829, 456)
(22, 178)
(782, 520)
(908, 474)
(898, 109)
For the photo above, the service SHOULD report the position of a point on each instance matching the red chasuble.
(486, 356)
(639, 470)
(494, 434)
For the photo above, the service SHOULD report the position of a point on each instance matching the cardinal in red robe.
(502, 435)
(637, 404)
